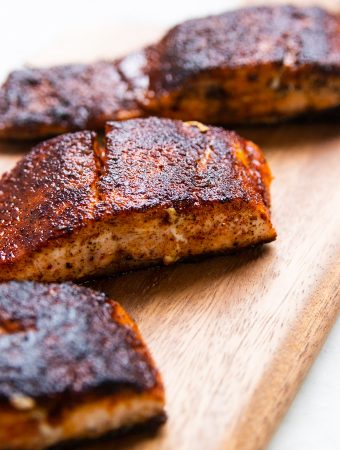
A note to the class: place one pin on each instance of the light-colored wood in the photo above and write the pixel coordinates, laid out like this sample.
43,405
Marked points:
235,335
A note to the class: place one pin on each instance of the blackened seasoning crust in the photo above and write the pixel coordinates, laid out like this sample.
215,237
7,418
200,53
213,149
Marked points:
257,64
160,191
48,194
72,365
247,37
42,102
167,163
67,339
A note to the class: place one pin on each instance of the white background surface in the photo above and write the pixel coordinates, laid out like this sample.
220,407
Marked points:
29,27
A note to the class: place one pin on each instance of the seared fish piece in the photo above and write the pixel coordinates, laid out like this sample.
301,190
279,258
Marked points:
257,64
44,102
72,365
160,191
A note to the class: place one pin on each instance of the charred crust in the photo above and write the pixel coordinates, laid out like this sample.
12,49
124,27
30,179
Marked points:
40,102
294,42
48,194
153,163
147,165
72,342
253,36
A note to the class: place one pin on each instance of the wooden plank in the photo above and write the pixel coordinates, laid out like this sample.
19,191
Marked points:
235,335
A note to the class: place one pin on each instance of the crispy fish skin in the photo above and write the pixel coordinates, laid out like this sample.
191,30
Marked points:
256,64
160,191
72,365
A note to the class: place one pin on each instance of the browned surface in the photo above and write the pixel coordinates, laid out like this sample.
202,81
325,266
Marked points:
259,64
62,347
164,163
79,343
234,336
246,327
42,102
248,37
67,186
47,195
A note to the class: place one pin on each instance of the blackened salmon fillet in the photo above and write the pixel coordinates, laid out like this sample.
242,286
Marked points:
159,191
73,365
253,65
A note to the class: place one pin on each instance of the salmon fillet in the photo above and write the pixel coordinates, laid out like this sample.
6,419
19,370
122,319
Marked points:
158,192
257,64
72,365
51,101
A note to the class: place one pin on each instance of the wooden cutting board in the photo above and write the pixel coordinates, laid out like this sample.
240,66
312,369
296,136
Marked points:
234,336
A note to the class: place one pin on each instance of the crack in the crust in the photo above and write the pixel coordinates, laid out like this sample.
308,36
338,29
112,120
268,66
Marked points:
99,149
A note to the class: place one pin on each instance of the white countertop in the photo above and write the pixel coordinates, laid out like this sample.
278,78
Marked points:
27,28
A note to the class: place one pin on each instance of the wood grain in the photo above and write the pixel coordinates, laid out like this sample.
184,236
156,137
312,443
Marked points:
235,335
